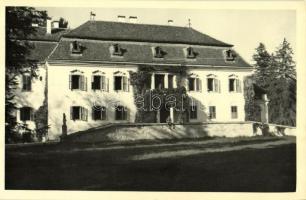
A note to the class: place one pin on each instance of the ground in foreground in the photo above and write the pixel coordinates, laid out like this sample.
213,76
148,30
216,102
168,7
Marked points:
237,165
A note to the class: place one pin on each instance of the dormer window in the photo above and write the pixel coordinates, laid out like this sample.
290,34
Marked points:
191,53
230,55
159,53
75,47
117,50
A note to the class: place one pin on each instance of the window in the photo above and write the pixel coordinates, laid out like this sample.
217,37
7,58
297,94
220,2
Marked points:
234,84
26,83
77,82
158,52
212,112
194,84
121,113
121,83
170,81
76,47
159,81
234,112
193,112
117,50
26,114
213,85
78,113
99,83
191,53
99,113
230,55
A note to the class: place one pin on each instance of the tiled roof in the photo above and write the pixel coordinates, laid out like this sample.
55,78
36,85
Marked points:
142,53
118,31
41,50
41,35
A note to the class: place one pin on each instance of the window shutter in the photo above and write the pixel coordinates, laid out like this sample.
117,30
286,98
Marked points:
219,86
92,82
93,113
238,86
174,81
187,86
31,114
200,85
86,114
128,85
215,85
124,83
29,83
81,83
102,83
71,113
70,82
114,83
127,113
107,86
85,83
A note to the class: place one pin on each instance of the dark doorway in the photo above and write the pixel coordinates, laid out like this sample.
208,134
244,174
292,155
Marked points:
159,81
164,114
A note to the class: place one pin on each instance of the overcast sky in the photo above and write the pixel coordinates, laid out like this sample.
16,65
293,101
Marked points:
242,28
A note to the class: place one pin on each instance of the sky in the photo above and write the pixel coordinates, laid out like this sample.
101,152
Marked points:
245,29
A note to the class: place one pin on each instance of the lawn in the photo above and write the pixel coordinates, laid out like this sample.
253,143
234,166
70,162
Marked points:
240,165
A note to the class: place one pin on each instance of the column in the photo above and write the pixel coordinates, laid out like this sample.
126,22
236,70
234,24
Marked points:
153,81
166,80
172,114
174,81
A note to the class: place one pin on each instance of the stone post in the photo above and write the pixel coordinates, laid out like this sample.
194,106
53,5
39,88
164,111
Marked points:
153,81
64,126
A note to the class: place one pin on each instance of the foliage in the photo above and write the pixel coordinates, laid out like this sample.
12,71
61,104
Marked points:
252,110
18,25
63,23
276,74
140,81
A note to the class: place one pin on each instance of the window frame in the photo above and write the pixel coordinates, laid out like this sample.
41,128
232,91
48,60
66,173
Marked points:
236,84
103,113
26,83
216,84
30,115
123,111
82,82
212,115
234,114
193,112
82,113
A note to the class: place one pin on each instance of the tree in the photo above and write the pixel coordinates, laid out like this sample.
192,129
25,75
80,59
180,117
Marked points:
282,86
18,26
262,66
63,23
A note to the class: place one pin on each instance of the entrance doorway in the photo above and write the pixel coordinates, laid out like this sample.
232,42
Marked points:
164,114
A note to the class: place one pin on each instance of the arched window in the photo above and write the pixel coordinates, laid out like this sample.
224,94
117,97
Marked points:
116,50
230,55
75,47
190,53
158,52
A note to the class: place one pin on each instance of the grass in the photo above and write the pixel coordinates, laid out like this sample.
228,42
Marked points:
82,167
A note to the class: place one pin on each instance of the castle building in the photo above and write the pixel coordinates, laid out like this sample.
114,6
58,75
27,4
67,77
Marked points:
84,72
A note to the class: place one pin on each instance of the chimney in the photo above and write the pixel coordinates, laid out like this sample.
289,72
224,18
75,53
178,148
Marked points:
170,22
133,19
48,26
121,18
